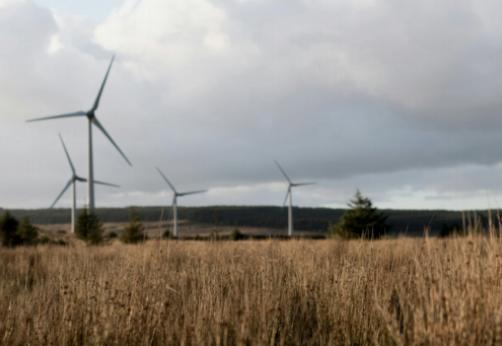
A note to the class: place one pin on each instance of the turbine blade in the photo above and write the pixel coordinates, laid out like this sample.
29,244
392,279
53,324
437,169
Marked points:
67,155
107,135
98,98
303,184
191,193
286,198
62,193
282,171
167,180
60,116
105,184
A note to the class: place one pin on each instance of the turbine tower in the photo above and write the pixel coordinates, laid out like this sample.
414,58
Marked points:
175,201
73,182
92,120
289,195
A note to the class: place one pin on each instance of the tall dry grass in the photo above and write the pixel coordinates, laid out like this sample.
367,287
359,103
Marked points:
389,292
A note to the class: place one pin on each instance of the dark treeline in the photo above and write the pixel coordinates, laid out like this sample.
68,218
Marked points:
411,222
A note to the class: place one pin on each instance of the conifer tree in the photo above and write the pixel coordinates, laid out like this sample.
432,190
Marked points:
27,233
89,228
134,232
8,230
361,220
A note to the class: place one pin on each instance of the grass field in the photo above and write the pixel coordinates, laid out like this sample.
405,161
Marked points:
388,292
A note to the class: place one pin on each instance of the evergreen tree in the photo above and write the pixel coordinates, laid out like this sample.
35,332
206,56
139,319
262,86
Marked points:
134,232
27,233
362,220
89,228
8,230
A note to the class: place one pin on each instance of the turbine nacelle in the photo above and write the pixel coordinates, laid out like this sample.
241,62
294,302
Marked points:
182,194
291,184
175,192
79,179
301,184
74,178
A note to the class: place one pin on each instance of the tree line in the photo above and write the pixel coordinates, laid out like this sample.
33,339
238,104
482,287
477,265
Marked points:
361,220
409,222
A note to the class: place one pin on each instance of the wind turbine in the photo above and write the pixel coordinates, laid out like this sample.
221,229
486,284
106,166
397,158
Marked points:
73,182
175,201
92,120
289,195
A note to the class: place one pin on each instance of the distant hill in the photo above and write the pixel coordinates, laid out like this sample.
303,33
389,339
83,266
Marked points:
410,222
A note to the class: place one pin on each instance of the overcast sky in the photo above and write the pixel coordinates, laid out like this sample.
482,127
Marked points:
399,98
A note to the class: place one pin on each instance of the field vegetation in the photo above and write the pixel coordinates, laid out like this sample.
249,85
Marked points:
428,291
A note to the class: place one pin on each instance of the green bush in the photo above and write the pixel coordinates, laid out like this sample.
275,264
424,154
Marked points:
236,235
167,234
60,242
134,232
13,233
8,230
27,233
89,228
44,240
362,220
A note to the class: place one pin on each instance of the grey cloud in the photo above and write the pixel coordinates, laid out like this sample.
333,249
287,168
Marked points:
340,92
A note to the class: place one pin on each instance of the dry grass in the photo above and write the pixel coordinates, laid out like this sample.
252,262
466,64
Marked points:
390,292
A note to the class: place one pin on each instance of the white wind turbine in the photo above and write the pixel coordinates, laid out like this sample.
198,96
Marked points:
73,182
289,195
92,120
175,201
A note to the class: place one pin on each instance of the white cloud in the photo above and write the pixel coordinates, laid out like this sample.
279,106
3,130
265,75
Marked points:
164,31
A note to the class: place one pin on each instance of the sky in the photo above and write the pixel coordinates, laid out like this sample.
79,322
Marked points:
397,98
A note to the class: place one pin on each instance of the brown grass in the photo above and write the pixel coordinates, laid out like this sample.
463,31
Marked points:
389,292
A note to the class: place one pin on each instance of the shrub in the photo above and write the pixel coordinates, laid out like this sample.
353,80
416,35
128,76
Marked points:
44,240
8,230
362,220
89,228
236,235
27,233
167,234
134,232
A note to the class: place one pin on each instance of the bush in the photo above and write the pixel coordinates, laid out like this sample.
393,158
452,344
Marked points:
61,242
89,228
8,230
236,235
44,240
362,220
134,232
27,233
167,234
13,233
